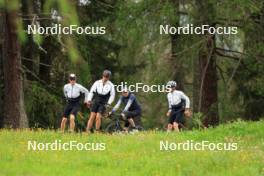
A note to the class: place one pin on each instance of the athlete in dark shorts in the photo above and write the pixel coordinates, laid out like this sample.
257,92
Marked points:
72,92
176,114
102,94
132,108
179,105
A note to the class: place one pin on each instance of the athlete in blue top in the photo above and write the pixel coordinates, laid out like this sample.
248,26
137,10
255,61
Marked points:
132,107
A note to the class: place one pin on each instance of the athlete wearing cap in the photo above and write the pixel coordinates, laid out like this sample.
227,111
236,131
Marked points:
179,104
72,92
131,110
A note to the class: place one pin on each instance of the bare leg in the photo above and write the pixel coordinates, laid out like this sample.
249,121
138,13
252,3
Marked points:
63,123
176,127
132,123
72,123
98,121
169,127
125,129
90,121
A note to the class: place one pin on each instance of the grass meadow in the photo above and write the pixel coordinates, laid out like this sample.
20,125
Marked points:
136,154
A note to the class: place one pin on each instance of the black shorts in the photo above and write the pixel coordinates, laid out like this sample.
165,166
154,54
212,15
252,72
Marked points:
98,107
71,108
132,114
176,116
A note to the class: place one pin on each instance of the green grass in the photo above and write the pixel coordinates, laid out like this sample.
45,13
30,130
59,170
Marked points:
137,154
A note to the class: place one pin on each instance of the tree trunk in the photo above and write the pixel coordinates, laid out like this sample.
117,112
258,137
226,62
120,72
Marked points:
208,84
1,67
178,72
49,46
196,85
30,49
205,73
14,112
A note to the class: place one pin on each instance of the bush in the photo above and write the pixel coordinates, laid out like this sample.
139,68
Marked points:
43,108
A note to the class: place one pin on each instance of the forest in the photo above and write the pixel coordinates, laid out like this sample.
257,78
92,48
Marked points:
223,74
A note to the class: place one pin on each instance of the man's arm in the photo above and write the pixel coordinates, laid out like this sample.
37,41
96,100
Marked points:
186,98
117,105
169,102
187,111
112,95
129,103
90,95
65,92
86,93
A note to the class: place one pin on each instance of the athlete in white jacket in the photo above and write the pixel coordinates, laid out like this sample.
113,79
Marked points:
179,104
72,92
102,94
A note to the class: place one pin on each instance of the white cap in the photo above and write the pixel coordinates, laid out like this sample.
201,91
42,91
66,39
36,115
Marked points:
72,75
